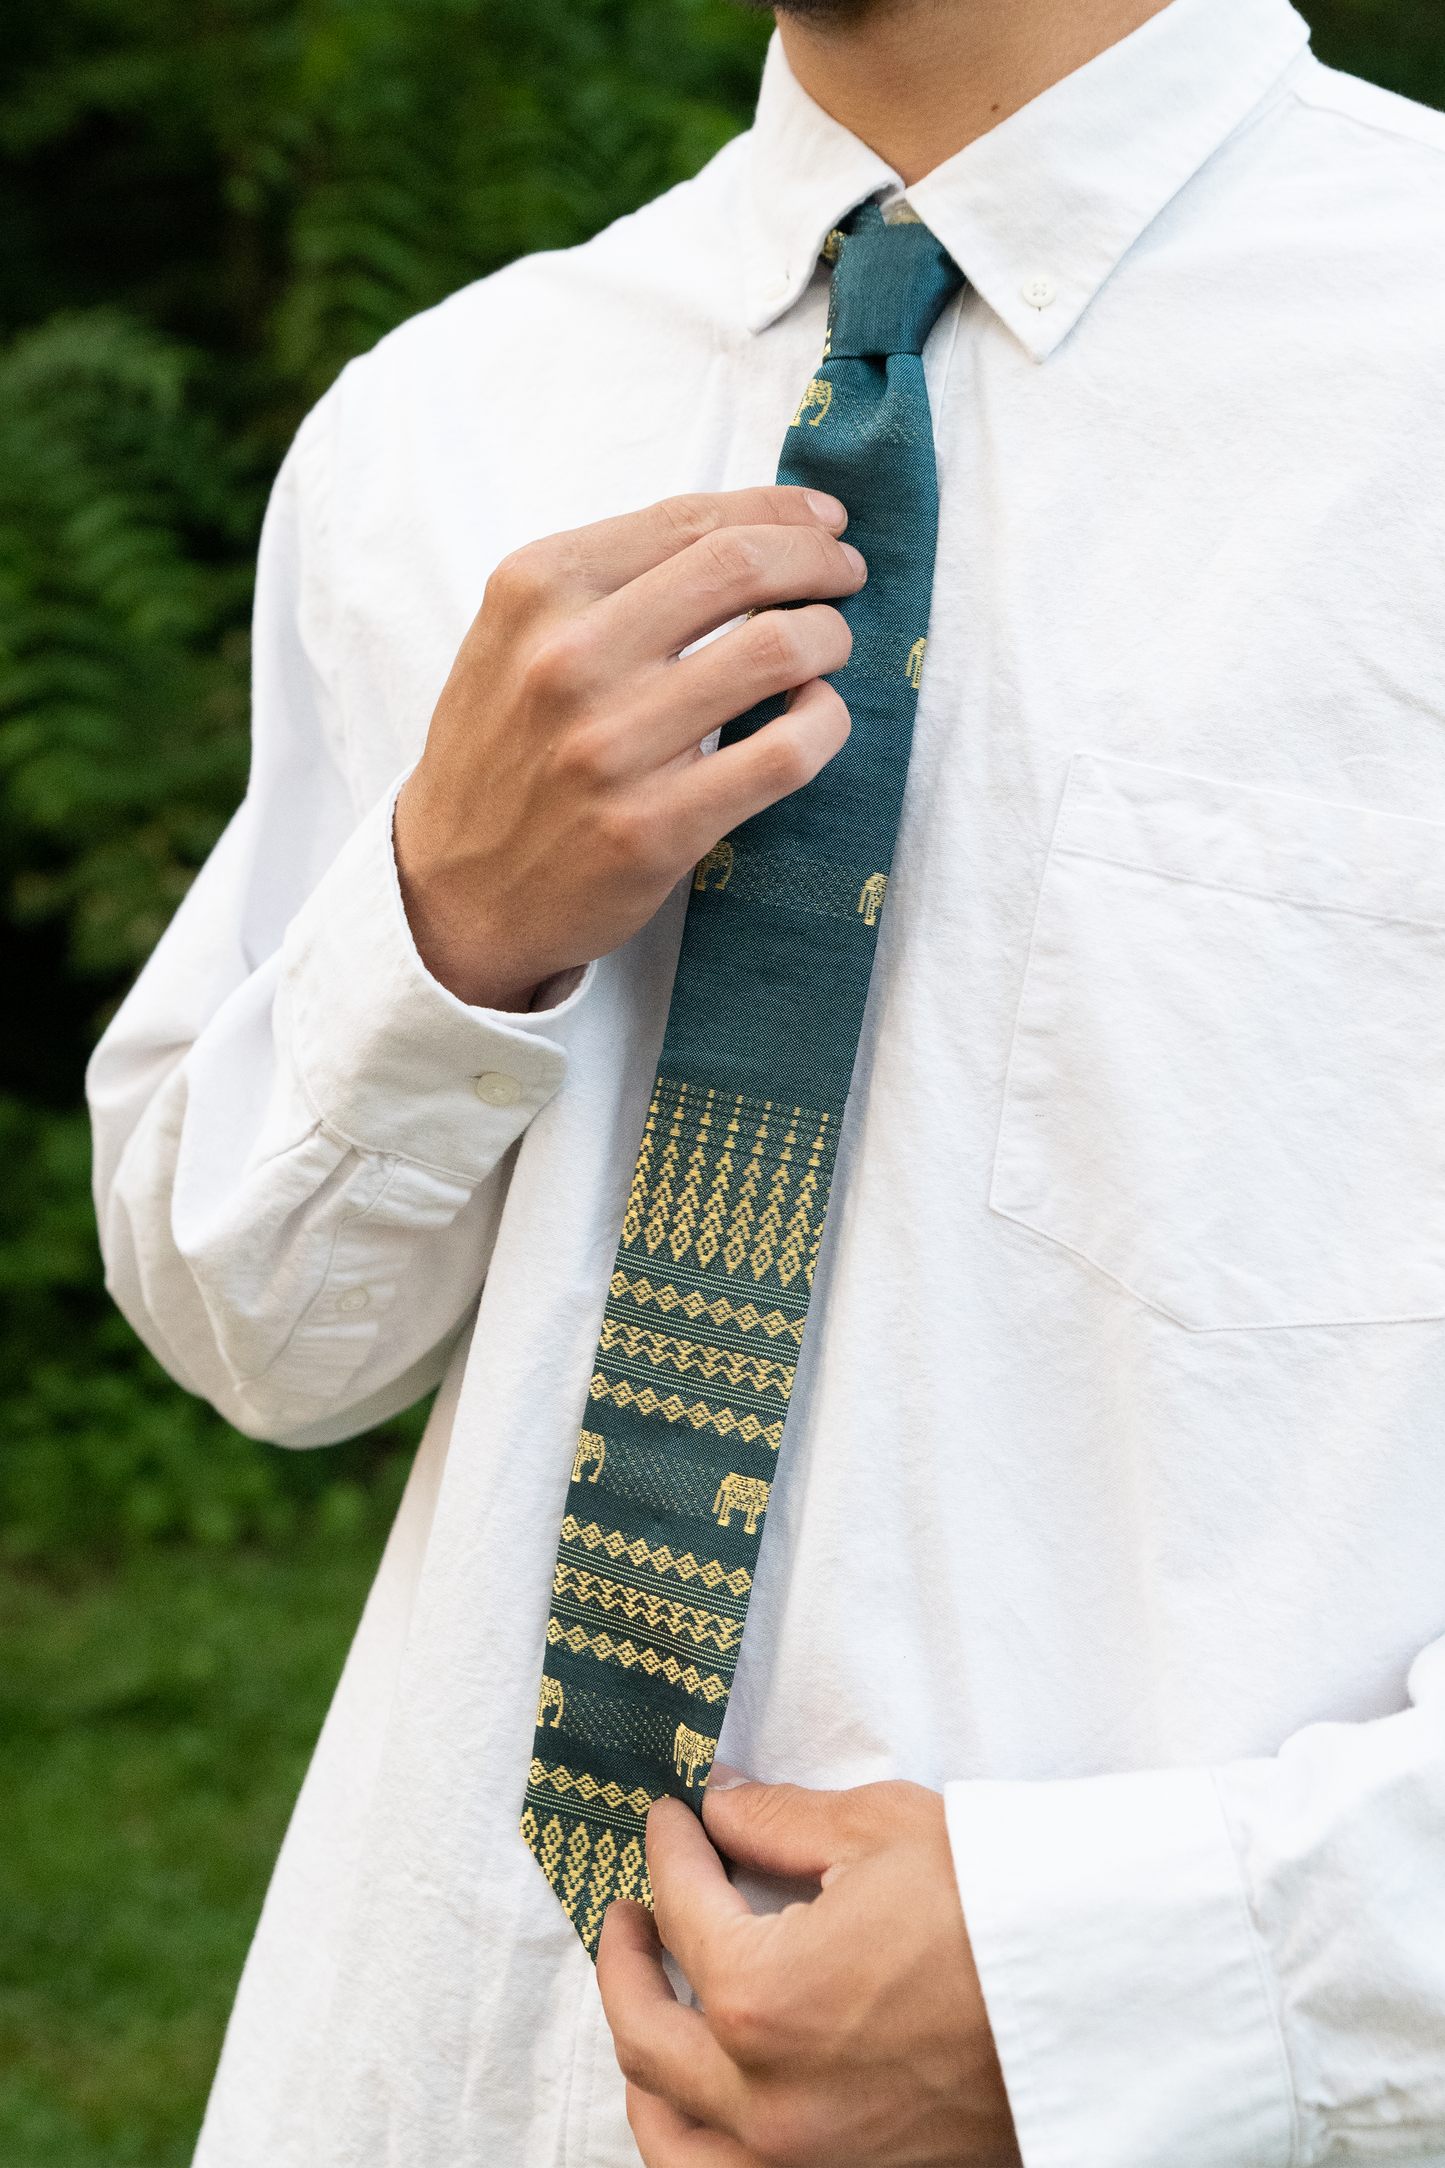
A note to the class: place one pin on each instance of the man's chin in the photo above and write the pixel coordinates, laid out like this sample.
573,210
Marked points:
815,11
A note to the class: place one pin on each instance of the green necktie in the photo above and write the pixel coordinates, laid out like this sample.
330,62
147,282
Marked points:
709,1295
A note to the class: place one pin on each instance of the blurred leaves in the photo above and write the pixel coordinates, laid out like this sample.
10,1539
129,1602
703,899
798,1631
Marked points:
301,177
126,523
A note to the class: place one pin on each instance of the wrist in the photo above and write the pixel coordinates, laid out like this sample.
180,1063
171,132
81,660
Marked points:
450,929
480,983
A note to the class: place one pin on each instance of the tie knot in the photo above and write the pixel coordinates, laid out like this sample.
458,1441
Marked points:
890,284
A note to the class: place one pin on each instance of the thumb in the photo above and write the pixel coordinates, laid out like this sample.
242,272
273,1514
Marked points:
779,1829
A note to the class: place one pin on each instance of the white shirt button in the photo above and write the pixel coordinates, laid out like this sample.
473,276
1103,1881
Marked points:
1038,291
497,1089
355,1298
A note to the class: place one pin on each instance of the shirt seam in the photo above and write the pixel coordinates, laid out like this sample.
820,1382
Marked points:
1260,895
1148,1302
1268,1980
299,1324
1376,124
1072,784
468,1177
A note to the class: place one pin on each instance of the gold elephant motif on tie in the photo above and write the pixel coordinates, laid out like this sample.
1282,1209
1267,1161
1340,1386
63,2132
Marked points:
913,668
719,860
691,1751
550,1697
870,898
819,394
591,1447
741,1494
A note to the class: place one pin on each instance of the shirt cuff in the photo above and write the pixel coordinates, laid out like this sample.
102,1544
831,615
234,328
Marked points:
388,1059
1132,2004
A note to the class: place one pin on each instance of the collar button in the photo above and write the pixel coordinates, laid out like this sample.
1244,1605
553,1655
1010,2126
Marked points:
1038,291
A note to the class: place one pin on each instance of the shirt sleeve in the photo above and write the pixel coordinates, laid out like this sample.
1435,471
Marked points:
1241,1967
302,1140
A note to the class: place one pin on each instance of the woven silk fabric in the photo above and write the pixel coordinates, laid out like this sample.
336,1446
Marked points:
708,1300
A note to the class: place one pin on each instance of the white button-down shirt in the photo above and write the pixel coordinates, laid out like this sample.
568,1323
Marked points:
1113,1494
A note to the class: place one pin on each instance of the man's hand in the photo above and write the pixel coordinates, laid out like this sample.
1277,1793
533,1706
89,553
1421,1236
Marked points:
846,2033
562,792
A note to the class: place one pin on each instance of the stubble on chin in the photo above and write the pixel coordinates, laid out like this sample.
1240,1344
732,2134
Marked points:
815,11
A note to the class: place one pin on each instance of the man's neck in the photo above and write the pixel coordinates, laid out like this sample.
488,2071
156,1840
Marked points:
918,79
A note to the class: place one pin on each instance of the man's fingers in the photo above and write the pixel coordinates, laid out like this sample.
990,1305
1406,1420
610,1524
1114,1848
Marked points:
696,1905
714,795
776,652
607,555
722,1776
662,2048
719,577
666,2139
782,1829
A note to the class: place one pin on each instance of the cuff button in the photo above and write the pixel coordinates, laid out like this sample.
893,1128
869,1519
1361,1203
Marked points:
497,1089
355,1298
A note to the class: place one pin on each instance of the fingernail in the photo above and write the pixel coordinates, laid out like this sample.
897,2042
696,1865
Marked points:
856,559
827,509
723,1779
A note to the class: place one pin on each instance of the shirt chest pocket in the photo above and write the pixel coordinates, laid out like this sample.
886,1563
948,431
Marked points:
1227,1084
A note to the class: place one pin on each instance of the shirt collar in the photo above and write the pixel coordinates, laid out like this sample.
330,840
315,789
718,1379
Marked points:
1052,198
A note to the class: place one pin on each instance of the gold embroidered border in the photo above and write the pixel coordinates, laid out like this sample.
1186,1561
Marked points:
674,1409
606,1650
664,1614
638,1343
611,1795
586,1875
662,1560
713,1177
694,1304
